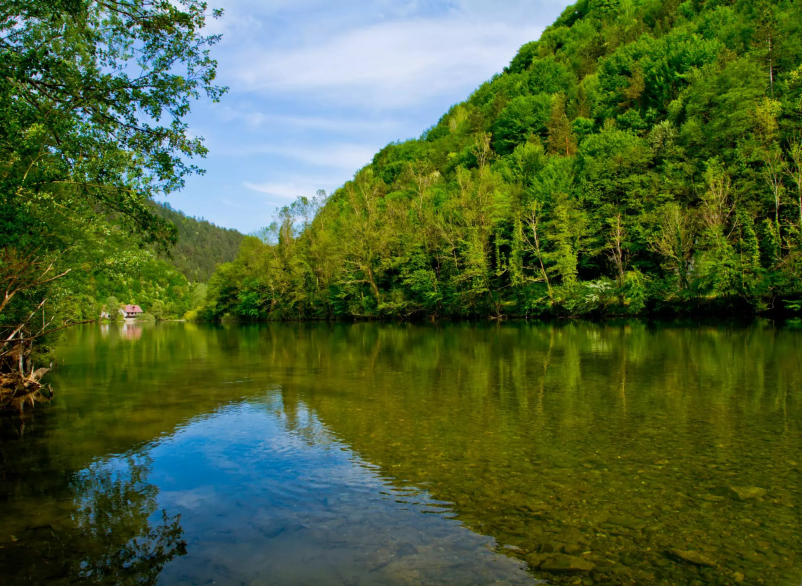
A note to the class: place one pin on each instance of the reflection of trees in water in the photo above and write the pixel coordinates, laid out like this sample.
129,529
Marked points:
298,419
113,517
626,435
110,537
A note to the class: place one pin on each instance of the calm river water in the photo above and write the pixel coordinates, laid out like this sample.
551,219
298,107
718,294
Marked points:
575,453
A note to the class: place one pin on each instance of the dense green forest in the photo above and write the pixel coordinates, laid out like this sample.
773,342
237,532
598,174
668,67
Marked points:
641,156
126,274
201,245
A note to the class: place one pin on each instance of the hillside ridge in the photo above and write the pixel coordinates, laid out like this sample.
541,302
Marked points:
641,156
201,244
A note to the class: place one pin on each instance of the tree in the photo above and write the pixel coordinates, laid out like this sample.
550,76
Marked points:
23,277
561,138
112,306
794,173
523,117
674,242
93,96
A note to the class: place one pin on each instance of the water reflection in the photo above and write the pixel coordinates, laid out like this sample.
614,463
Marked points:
126,330
268,496
109,532
658,455
610,454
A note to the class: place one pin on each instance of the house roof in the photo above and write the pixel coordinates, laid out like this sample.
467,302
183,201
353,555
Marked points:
132,309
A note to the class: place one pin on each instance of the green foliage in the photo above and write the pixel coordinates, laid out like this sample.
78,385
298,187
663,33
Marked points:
639,157
524,117
201,245
81,128
121,275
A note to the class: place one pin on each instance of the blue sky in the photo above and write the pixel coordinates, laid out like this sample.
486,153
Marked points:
317,87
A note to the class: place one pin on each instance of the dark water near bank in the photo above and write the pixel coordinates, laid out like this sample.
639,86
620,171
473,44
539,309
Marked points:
384,454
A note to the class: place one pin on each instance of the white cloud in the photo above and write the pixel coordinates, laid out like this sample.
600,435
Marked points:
342,157
512,11
256,118
290,190
349,157
388,65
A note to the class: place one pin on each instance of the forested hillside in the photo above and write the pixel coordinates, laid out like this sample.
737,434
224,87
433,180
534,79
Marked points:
201,245
642,155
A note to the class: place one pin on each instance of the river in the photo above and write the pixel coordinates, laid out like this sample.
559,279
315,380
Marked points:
521,453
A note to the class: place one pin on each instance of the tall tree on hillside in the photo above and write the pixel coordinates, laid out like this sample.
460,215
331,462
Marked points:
561,136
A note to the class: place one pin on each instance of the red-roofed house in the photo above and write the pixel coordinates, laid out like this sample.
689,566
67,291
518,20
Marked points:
132,310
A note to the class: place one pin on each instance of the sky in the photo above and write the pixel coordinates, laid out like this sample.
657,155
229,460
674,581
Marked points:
317,87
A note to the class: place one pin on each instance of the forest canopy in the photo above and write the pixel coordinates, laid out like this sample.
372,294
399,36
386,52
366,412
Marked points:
641,156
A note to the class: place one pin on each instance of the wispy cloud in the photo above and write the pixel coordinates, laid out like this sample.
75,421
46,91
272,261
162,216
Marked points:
342,157
389,65
290,190
256,118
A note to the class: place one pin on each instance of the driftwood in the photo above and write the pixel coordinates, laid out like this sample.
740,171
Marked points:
20,383
25,273
18,390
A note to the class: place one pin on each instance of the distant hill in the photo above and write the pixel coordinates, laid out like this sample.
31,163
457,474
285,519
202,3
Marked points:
201,245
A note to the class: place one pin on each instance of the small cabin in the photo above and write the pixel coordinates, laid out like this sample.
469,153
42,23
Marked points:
132,311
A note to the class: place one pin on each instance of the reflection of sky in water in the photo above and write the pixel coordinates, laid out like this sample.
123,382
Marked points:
264,505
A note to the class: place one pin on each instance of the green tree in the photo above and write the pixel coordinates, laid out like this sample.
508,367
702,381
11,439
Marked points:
524,117
93,97
561,138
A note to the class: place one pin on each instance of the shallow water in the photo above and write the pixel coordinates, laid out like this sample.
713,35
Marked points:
573,453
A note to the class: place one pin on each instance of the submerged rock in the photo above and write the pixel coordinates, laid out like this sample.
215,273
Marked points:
745,493
570,535
712,498
627,521
534,560
406,549
567,563
692,557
